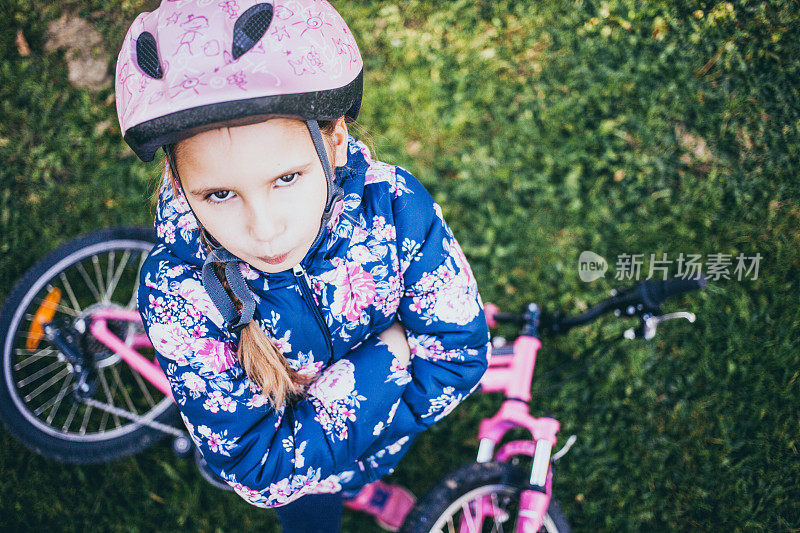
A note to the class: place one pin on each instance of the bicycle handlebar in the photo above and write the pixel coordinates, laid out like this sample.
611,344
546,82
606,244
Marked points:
653,293
644,297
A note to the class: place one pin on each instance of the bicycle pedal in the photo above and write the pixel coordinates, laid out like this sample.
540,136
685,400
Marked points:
182,446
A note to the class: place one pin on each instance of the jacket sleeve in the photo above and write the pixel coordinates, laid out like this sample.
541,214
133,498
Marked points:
269,456
440,307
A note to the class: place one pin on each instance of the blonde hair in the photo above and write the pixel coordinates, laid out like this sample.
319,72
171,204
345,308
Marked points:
260,358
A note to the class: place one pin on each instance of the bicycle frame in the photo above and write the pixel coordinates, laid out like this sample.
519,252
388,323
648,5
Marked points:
512,373
150,370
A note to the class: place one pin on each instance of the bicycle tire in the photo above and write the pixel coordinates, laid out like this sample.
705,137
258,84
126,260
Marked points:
18,412
471,481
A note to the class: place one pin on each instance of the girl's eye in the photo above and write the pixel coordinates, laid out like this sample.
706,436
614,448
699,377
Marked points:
288,179
217,197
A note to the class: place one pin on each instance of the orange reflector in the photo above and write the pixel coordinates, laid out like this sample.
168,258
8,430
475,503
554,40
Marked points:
43,315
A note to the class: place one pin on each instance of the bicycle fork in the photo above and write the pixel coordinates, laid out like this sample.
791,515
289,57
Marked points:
534,501
535,497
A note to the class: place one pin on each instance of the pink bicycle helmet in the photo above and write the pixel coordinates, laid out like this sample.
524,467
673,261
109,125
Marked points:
194,65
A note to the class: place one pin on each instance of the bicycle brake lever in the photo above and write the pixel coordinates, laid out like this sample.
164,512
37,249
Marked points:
564,449
650,323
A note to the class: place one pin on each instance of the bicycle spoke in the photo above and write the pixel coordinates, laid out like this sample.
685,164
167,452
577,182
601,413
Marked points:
109,272
495,507
61,393
104,420
71,294
25,335
135,292
66,310
124,390
41,388
89,283
85,420
70,416
59,307
100,282
35,357
39,373
112,285
451,527
104,383
144,388
55,401
471,523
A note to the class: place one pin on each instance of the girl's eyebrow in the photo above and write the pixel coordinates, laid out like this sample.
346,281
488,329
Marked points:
208,190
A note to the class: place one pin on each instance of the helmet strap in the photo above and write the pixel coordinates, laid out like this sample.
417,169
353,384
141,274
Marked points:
335,191
216,291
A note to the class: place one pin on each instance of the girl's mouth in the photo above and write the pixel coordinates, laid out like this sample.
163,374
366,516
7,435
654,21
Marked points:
274,260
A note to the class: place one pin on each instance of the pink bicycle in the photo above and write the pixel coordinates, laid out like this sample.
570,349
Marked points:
495,493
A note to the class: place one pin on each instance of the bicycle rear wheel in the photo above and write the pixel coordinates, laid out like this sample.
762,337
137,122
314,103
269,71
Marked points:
37,404
450,506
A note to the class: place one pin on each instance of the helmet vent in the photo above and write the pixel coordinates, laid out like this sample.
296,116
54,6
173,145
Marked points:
147,55
250,27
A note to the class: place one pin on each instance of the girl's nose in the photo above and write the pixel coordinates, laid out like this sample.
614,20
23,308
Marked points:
264,225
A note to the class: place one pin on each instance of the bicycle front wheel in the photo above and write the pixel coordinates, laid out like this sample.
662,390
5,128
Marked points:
453,504
37,401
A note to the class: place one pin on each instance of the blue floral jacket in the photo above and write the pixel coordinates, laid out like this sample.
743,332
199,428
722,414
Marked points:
388,254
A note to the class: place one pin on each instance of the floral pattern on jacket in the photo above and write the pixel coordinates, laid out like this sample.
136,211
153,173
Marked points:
387,255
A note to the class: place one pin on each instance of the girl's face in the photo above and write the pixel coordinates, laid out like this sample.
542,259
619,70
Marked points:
259,189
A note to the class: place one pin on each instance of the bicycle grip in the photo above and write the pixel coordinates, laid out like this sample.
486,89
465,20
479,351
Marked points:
495,317
654,293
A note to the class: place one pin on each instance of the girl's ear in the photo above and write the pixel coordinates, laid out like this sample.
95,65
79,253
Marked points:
339,138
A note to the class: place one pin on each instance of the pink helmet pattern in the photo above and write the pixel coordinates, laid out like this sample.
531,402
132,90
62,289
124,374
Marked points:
193,65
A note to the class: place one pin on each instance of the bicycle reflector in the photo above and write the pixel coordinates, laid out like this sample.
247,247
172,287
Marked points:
43,315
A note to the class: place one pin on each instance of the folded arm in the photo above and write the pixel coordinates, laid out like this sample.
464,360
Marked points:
270,456
440,309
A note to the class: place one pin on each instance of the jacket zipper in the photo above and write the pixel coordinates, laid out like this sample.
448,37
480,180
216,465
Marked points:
305,288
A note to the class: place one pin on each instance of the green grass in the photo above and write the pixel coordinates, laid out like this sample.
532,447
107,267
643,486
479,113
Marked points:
543,129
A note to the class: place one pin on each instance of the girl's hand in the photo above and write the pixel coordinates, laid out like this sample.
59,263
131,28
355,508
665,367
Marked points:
395,337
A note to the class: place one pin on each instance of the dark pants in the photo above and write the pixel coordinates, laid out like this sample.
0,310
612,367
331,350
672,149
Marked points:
312,513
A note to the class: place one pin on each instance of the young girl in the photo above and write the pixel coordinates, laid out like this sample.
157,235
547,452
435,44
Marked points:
309,304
